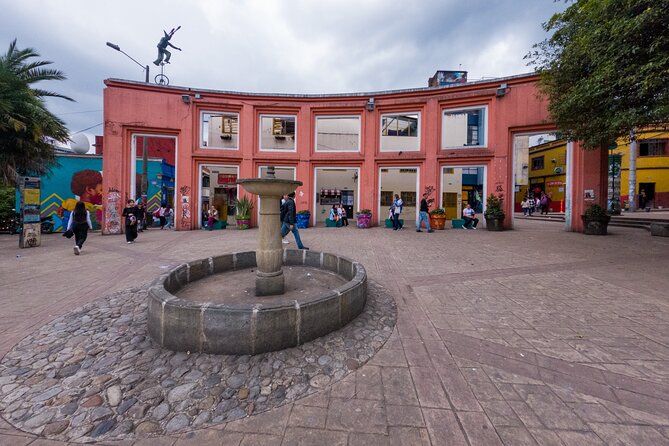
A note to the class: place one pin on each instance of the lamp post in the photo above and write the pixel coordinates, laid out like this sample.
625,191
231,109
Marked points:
144,67
145,143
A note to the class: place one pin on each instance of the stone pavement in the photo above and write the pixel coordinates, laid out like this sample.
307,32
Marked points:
532,336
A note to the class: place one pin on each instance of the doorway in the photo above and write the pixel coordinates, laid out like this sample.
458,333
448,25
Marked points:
462,185
154,183
333,186
218,188
402,181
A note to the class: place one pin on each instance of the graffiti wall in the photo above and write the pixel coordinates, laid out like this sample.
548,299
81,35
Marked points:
79,177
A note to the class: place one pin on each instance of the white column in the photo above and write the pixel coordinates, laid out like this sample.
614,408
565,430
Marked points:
568,187
631,195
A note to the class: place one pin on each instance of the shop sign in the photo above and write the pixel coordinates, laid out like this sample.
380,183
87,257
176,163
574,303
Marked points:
227,178
554,183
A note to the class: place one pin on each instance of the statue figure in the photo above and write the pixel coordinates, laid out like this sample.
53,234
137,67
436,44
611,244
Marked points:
162,47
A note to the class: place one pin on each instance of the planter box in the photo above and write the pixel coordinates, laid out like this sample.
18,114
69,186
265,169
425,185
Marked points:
458,223
364,220
302,220
595,226
243,222
331,223
438,221
389,223
494,223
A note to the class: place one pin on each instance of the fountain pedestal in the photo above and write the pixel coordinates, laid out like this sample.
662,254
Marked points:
269,275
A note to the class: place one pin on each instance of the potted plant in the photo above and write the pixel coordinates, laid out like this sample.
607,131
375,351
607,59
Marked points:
438,218
595,220
244,207
494,213
302,219
364,218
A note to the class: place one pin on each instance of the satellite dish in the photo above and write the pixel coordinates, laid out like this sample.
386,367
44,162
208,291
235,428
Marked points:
80,144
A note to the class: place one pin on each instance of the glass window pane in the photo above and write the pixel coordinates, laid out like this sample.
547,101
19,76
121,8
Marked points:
277,133
219,130
338,134
464,128
399,132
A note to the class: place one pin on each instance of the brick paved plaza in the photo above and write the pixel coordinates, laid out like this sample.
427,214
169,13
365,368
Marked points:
531,336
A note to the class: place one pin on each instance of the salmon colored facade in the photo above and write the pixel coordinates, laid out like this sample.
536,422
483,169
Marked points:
133,108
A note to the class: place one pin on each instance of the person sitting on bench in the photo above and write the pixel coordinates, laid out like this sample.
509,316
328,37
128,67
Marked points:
469,216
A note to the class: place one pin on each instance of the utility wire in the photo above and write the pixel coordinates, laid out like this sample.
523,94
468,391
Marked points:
88,128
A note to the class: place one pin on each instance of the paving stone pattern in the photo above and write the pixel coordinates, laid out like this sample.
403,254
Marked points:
524,337
95,374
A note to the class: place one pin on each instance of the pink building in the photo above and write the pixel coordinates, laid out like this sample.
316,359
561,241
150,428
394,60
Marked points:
356,149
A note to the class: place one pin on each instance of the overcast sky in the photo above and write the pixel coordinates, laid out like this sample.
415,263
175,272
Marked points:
282,46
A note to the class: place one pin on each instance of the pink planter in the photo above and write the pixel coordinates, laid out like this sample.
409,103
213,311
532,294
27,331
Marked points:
364,220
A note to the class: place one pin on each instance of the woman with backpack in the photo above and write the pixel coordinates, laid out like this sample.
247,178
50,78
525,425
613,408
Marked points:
130,213
79,223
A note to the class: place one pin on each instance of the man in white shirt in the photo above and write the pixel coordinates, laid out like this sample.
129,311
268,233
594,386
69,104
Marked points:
469,216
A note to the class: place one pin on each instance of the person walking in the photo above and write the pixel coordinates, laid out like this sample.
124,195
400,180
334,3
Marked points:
169,216
469,216
423,216
282,209
398,204
141,216
288,223
525,205
161,215
543,204
342,215
79,223
130,213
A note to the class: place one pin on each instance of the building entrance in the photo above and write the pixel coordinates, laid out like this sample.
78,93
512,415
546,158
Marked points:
402,181
218,189
460,186
335,186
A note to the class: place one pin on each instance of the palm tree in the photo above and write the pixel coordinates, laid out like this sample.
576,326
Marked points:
27,128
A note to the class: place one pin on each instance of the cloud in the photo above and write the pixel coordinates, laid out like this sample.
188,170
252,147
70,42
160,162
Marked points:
282,46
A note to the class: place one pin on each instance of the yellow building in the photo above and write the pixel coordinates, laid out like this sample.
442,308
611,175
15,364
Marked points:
652,168
547,167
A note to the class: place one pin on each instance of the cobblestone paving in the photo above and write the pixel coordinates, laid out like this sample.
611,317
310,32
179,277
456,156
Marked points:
95,374
525,337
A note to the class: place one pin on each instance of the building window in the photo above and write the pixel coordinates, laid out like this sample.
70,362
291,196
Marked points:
338,134
386,198
400,132
538,163
219,130
408,198
464,128
277,133
652,147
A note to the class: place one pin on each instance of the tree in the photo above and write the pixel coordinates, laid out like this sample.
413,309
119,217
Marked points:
605,69
27,128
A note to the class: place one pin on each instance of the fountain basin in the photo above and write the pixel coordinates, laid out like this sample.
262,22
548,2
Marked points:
255,326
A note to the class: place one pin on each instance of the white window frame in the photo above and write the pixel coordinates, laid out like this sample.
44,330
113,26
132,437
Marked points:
444,111
199,182
260,167
464,166
133,166
316,169
260,118
418,136
201,129
378,194
358,117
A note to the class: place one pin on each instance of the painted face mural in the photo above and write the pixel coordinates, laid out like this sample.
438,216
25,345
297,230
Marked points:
87,185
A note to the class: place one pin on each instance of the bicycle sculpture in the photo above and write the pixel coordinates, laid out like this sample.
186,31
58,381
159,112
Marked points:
164,56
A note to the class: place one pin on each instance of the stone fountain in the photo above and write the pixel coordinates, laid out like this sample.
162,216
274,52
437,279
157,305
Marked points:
269,255
322,293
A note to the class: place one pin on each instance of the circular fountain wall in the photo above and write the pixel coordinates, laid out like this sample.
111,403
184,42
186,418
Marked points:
251,326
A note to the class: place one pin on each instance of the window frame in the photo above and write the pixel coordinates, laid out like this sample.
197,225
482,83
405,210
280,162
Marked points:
418,132
317,118
260,128
664,142
218,113
537,158
483,143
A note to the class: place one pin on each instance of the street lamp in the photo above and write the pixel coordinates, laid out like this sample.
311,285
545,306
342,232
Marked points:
144,67
144,186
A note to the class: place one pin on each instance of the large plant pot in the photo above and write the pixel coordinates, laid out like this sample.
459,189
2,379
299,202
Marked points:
438,221
494,223
243,222
364,220
302,220
595,226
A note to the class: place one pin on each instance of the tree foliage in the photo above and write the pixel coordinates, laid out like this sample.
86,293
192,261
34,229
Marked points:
27,128
605,68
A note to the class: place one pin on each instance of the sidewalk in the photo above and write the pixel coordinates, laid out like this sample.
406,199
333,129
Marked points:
531,336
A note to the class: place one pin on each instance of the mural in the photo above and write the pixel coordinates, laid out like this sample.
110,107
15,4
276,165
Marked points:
113,211
86,185
184,191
